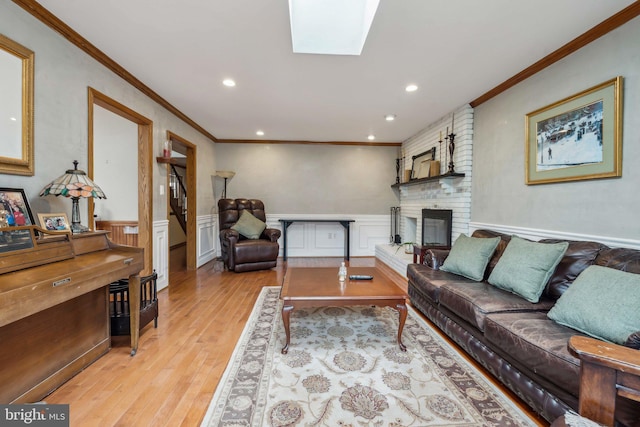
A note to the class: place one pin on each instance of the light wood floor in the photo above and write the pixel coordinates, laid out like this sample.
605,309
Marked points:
172,378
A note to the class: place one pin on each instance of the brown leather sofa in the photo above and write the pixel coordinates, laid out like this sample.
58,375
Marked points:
239,253
511,337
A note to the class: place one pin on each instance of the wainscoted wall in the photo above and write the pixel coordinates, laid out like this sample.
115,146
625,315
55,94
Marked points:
327,239
161,252
537,234
455,193
207,235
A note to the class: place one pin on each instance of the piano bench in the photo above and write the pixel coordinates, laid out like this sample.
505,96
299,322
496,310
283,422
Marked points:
119,304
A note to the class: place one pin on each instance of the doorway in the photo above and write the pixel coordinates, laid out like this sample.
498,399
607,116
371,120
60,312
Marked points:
143,128
181,182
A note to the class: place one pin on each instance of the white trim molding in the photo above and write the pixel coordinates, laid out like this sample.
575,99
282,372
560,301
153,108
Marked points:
207,238
537,234
161,252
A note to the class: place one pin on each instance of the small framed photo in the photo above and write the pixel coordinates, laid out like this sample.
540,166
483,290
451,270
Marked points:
54,221
14,208
576,138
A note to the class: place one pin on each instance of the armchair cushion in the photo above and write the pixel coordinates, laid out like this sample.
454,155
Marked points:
249,226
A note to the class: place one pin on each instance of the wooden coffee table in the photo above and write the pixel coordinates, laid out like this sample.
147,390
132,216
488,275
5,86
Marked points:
319,287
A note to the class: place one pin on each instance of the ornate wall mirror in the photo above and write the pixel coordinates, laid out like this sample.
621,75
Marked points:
16,108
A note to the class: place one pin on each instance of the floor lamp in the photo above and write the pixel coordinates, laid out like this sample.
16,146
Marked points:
226,175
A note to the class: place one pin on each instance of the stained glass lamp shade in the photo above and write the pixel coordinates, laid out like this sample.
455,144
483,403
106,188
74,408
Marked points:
75,184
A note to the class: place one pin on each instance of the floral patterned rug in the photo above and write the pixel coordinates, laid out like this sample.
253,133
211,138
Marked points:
344,368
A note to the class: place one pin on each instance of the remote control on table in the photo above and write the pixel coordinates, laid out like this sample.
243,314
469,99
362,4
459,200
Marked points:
360,277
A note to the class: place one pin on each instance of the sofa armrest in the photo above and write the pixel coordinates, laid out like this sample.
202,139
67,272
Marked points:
435,257
272,234
606,372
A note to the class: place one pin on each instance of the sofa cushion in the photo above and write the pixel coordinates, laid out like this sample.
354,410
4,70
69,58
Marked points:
602,302
429,281
534,341
249,226
474,301
579,255
504,241
525,267
469,256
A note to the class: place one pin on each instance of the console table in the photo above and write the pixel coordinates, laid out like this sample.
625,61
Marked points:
344,222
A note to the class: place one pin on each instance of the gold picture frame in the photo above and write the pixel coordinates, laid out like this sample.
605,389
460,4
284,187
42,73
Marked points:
577,138
54,221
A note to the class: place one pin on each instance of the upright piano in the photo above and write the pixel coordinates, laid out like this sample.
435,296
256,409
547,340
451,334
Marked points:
54,307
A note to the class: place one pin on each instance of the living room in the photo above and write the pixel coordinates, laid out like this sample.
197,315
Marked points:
333,180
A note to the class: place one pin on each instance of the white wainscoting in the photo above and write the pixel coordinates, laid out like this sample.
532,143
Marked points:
161,252
207,238
537,234
326,239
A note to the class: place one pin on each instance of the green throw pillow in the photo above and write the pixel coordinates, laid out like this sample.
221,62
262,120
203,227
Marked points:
469,256
602,302
249,226
525,267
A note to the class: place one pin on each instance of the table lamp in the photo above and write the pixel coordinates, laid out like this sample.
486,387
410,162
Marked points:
75,184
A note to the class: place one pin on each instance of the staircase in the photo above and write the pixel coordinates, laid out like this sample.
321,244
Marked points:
178,195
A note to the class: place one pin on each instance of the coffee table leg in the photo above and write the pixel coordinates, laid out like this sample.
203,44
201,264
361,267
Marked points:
286,312
402,311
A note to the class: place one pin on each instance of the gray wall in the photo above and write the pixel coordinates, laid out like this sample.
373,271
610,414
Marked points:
62,75
605,207
313,179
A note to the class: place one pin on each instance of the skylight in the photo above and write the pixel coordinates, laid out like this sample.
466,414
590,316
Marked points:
330,27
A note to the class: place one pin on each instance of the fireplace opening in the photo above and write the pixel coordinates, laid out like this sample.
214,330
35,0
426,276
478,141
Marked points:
436,227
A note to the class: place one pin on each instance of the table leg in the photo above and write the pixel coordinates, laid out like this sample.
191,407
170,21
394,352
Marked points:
286,313
402,311
134,311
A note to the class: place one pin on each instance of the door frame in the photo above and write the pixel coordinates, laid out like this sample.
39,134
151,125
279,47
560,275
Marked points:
145,163
190,152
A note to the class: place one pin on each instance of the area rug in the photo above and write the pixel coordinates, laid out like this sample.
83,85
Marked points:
344,368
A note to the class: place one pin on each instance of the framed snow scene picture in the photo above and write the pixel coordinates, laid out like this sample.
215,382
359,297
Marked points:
577,138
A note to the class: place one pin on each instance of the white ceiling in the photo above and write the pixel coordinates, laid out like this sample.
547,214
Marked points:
454,50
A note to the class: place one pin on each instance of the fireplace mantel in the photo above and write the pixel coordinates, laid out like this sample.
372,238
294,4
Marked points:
428,179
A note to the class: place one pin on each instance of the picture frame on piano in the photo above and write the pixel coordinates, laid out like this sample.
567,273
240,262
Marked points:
15,239
14,208
54,221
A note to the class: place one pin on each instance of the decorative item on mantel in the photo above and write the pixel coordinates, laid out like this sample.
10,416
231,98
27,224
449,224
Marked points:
452,146
75,184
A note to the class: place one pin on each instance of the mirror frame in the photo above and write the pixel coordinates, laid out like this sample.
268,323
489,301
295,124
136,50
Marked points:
25,164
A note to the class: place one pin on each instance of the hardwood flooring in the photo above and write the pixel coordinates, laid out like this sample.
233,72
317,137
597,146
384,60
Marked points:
172,378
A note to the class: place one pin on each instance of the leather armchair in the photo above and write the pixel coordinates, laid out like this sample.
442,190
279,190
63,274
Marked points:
239,253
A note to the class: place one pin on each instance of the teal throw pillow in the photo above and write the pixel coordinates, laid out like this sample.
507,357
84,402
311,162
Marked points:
525,267
602,302
249,226
469,256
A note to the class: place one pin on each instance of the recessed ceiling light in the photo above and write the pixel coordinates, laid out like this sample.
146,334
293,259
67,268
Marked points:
411,88
371,137
259,133
13,119
229,82
390,117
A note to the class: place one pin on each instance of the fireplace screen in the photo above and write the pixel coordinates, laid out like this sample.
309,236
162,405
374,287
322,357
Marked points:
436,227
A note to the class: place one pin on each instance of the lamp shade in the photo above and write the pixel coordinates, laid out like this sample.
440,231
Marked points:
225,174
74,183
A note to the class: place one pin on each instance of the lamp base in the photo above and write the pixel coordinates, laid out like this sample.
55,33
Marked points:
78,228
